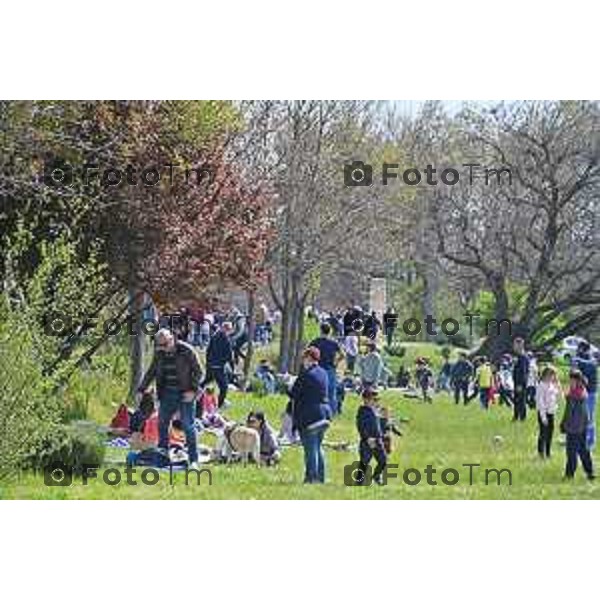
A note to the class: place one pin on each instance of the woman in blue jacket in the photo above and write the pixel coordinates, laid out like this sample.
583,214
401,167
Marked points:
311,413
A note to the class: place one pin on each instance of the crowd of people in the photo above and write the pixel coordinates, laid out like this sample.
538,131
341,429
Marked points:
187,402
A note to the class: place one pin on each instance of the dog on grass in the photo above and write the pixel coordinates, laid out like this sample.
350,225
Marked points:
238,440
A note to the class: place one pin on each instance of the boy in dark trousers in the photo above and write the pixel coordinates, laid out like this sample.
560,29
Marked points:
368,424
574,424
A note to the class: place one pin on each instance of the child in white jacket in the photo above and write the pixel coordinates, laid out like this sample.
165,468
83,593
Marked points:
547,396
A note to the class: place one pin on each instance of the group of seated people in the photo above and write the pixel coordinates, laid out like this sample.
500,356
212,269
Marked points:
140,427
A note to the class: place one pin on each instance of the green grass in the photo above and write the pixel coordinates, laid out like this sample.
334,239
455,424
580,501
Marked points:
442,434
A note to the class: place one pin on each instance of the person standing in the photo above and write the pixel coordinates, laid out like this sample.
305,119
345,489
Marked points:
311,413
547,395
371,367
219,357
485,379
351,351
329,353
368,423
574,425
462,371
520,380
177,372
390,322
588,366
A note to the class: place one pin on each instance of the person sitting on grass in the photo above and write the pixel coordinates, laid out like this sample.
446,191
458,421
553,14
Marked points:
144,423
574,425
371,438
266,375
403,377
269,447
547,395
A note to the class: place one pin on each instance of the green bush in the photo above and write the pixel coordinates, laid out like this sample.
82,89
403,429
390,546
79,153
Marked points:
73,445
396,350
28,405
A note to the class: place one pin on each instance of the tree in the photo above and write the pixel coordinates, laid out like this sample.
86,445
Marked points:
539,232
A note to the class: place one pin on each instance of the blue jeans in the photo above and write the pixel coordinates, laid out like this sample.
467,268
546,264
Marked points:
591,430
332,389
170,401
314,458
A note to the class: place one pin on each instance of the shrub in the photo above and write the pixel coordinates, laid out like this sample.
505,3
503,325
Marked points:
396,350
73,445
28,406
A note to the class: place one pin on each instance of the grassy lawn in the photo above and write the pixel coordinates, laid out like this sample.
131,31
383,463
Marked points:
442,434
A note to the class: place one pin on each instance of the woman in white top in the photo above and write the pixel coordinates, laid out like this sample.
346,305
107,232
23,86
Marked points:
547,396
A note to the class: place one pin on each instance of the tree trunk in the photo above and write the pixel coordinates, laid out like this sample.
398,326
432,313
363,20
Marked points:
251,328
136,342
299,338
285,337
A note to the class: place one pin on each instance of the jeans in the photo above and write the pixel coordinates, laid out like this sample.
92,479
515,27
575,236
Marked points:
217,373
591,430
519,404
170,401
461,386
366,453
576,447
314,458
332,389
545,435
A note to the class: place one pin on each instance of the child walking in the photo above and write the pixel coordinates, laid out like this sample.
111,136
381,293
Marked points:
371,438
484,378
574,424
546,400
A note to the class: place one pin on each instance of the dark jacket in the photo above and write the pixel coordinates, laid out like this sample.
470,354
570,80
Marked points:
461,370
589,368
219,352
309,398
521,371
575,418
189,373
368,423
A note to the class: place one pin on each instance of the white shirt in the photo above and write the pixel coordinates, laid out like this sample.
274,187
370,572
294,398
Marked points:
351,345
546,398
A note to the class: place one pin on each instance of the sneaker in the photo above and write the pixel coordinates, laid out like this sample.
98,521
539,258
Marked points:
591,477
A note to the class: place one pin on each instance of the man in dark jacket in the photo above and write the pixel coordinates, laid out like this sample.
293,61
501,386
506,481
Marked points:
460,375
177,372
520,379
219,357
311,413
368,423
588,366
